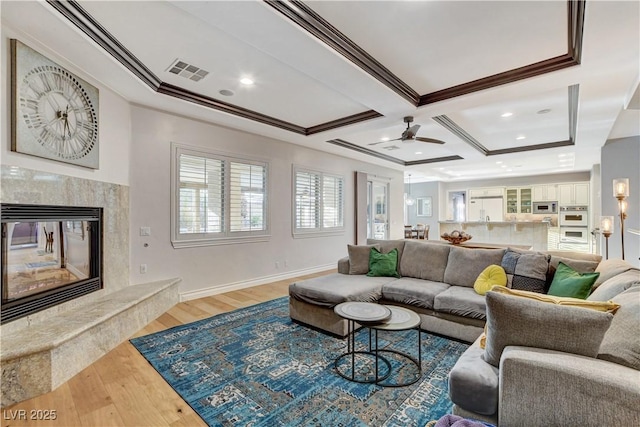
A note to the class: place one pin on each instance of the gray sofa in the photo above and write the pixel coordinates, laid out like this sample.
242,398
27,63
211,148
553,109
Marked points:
436,282
547,383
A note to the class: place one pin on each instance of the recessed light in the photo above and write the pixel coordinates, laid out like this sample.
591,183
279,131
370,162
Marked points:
246,81
503,166
499,162
521,137
507,114
418,152
226,92
509,170
544,111
386,138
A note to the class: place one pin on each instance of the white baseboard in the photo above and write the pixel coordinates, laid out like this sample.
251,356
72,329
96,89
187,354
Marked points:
220,289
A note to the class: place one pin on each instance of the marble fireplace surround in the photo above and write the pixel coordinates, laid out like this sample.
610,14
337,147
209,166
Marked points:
41,351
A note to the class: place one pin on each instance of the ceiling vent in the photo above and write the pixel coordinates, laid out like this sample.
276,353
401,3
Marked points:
187,71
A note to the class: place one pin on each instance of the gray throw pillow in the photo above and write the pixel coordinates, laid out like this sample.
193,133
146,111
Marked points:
359,258
520,321
526,270
616,285
610,268
464,265
621,343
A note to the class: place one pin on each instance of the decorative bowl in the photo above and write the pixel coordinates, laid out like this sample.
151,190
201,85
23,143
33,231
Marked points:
456,240
456,237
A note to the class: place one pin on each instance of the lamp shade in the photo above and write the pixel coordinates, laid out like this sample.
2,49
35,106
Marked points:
410,201
606,224
621,188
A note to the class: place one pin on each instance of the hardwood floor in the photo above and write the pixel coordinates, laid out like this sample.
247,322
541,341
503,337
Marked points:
121,388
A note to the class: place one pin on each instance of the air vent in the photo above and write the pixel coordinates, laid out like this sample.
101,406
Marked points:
187,71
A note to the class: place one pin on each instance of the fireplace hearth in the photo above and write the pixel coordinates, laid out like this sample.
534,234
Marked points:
50,255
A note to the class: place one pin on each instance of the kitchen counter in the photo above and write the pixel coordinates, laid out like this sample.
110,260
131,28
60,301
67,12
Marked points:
531,234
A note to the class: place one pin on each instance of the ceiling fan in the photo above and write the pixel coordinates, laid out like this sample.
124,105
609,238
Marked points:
409,134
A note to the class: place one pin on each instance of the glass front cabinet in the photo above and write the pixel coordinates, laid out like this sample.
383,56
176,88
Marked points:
518,200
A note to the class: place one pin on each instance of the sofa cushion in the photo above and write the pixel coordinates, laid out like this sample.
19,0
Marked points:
416,292
461,301
621,343
423,260
464,265
473,383
569,283
383,265
490,276
526,270
359,258
513,320
387,246
616,285
610,268
335,288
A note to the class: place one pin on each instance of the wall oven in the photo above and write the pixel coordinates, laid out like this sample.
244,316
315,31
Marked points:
575,235
574,216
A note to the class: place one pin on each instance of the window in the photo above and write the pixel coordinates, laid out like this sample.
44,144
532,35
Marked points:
217,198
318,202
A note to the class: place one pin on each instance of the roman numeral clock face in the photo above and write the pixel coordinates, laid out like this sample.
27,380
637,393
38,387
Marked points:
56,112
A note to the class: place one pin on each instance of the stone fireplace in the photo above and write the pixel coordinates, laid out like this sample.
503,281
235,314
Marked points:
50,255
45,347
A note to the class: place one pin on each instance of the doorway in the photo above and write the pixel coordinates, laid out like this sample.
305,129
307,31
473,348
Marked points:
377,210
456,206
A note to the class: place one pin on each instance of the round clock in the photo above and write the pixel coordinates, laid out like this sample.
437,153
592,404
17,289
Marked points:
58,111
54,112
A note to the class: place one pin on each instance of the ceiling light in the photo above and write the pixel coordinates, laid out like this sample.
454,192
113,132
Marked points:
521,137
509,170
386,138
507,114
246,81
503,166
418,152
499,162
544,111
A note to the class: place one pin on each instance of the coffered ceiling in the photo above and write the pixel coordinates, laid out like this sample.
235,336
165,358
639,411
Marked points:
510,87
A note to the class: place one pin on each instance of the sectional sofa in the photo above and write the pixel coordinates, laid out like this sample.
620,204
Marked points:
436,282
546,373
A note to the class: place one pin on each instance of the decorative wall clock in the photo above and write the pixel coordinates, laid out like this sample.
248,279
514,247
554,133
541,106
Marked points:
54,112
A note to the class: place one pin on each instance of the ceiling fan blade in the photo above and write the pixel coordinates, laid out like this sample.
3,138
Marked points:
382,142
411,132
431,140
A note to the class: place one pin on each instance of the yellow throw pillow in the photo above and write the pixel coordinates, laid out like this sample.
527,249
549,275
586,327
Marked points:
490,276
606,306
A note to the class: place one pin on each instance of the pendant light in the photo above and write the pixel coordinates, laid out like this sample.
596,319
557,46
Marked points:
410,201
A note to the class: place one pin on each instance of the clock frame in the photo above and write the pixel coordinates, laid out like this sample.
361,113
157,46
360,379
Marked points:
54,113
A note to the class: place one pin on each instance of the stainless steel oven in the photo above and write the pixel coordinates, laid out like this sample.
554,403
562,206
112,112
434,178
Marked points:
574,216
575,235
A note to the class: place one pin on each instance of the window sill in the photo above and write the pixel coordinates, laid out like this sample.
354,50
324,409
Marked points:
181,244
311,234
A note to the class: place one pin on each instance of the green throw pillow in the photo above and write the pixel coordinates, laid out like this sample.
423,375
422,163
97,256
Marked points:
569,283
385,265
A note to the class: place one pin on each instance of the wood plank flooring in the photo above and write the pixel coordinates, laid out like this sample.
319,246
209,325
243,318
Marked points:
121,388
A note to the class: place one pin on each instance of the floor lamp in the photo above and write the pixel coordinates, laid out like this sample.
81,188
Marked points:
621,192
606,226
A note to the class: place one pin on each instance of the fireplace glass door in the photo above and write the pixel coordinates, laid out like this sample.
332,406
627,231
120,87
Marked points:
50,255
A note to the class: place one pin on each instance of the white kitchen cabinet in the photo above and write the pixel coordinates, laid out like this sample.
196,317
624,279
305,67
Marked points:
576,194
545,193
486,192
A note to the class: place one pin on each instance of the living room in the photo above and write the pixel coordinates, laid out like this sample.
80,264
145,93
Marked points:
138,126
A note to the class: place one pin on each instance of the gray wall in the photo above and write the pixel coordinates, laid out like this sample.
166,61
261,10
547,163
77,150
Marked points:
620,159
424,189
210,269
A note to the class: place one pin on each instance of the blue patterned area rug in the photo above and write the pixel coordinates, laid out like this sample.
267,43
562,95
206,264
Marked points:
256,367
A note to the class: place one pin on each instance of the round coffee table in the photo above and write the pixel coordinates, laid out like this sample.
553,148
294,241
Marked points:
365,313
401,319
